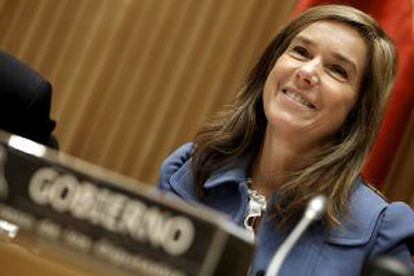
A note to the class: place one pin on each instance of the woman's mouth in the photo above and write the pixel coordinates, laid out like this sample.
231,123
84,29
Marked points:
297,98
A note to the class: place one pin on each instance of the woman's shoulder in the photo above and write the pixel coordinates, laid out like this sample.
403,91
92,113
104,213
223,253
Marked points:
367,202
374,222
394,228
175,173
364,208
181,155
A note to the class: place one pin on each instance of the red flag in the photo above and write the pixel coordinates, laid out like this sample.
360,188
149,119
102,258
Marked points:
396,18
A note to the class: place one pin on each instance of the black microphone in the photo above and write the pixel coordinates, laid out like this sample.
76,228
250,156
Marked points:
313,212
386,266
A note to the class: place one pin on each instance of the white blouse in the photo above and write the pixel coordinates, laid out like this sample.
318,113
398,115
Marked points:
257,207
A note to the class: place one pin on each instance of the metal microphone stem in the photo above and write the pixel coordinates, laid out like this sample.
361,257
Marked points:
313,212
286,247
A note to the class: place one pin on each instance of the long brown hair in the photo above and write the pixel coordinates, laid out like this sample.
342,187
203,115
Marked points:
333,170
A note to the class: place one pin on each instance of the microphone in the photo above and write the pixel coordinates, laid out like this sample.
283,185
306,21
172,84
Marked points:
387,266
313,212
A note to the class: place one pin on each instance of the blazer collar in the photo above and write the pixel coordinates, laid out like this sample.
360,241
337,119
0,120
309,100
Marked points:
182,180
235,172
355,229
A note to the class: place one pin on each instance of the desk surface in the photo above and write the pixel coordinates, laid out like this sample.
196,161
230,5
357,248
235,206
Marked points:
16,260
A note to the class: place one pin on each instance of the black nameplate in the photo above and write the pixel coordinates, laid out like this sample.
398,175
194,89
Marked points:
113,219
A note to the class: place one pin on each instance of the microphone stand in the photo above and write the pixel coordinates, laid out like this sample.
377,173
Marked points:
313,212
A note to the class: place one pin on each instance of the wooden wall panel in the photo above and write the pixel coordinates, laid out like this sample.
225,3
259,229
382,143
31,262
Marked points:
400,182
135,79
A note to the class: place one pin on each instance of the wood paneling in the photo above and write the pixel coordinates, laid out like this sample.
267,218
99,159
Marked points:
400,182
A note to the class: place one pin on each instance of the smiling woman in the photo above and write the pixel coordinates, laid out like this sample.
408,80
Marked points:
302,125
310,91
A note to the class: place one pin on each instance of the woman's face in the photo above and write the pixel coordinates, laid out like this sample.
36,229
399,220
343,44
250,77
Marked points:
315,82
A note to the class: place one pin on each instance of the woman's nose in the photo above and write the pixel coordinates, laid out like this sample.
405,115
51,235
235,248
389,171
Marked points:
308,74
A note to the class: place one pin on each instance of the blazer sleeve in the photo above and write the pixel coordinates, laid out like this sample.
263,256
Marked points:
395,236
172,164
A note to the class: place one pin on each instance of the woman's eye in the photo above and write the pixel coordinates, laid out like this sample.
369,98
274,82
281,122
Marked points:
339,71
300,51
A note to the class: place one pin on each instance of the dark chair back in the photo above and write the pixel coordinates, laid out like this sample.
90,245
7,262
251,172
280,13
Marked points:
25,100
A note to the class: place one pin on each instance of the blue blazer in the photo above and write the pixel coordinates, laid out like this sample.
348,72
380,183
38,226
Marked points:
373,227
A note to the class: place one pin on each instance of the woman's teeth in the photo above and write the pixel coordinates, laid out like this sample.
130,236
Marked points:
297,98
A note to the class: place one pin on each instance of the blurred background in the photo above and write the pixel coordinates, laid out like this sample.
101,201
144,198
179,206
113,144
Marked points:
134,79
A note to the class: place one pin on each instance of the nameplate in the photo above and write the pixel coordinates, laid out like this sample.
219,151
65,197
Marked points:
100,214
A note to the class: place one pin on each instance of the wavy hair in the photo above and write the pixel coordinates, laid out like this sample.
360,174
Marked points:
333,170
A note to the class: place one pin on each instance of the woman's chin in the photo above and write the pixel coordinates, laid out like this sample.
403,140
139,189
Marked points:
288,123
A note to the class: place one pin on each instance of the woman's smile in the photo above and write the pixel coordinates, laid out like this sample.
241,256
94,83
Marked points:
297,97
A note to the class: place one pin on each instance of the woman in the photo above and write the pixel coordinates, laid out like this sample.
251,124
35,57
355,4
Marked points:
302,125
